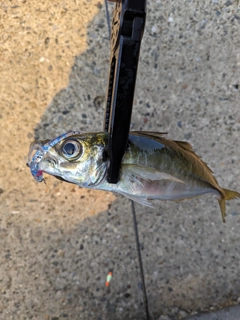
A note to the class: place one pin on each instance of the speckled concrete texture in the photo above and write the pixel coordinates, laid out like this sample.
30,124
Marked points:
58,241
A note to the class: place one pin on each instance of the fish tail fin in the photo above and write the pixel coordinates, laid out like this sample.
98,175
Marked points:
222,205
227,195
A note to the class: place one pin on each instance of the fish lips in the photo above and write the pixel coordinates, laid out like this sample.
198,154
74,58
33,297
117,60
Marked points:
47,165
42,163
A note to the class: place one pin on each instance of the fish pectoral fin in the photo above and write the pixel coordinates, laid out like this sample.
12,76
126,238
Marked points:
148,173
139,199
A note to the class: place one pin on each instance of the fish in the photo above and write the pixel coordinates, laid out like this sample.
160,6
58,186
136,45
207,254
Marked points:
153,167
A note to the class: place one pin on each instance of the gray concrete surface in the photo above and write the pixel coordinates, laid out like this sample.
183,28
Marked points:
55,264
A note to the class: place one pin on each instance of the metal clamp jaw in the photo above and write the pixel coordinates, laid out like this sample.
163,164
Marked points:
127,31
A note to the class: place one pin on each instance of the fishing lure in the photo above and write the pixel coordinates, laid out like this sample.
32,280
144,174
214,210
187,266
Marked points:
109,278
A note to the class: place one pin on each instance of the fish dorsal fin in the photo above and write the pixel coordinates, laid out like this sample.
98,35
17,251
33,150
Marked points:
178,148
150,134
187,147
184,145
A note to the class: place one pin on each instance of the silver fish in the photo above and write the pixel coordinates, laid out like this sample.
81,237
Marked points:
153,167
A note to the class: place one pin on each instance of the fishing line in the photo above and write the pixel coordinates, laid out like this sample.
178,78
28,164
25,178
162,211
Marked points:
145,299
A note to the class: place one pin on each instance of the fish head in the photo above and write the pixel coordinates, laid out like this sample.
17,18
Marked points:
73,157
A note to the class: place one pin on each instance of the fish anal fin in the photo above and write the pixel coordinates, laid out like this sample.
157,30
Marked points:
139,199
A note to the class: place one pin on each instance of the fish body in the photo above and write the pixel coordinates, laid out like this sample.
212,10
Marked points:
153,167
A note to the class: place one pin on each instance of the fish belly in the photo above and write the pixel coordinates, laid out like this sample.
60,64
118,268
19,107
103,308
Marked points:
166,190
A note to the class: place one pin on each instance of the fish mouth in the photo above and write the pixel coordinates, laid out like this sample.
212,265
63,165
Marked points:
38,162
36,173
37,156
46,165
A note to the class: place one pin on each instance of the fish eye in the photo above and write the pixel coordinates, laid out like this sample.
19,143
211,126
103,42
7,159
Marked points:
71,149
